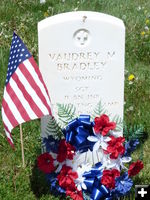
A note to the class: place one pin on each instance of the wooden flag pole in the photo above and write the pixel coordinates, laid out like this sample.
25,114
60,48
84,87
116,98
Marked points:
22,148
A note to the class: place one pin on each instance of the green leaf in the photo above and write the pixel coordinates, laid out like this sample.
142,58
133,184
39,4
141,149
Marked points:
54,129
66,112
119,122
134,132
99,110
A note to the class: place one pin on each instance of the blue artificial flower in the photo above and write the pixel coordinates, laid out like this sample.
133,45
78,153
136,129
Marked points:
77,131
54,186
130,146
123,185
51,144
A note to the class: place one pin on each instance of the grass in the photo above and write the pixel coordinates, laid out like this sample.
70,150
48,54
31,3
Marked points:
23,16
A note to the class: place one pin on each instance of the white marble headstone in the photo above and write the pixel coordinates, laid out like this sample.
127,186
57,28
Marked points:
81,57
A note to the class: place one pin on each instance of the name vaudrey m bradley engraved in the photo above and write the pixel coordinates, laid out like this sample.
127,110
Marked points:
81,60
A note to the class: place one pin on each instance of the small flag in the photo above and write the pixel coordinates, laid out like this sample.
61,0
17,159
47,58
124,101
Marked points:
25,94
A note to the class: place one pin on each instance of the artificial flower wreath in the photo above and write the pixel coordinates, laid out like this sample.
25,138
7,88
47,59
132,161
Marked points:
69,171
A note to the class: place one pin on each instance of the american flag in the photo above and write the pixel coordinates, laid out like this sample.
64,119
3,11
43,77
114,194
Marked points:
25,94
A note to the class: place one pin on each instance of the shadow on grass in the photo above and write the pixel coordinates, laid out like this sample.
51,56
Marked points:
38,182
40,186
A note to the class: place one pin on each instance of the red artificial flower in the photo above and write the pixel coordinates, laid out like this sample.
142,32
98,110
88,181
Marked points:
115,147
75,195
66,178
135,168
65,151
108,178
102,125
45,163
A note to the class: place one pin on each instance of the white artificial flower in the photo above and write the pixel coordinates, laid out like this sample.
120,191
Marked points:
107,162
85,167
79,165
118,163
78,159
100,141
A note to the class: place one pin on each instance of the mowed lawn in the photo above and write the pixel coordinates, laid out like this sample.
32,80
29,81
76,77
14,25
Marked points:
23,16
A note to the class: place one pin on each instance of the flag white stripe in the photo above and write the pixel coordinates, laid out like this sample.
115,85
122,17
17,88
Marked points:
13,107
32,92
23,101
6,121
37,80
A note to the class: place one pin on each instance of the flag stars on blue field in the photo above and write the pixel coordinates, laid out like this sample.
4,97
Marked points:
18,54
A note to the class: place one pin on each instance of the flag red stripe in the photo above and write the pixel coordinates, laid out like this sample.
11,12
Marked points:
27,96
33,84
10,142
17,102
36,68
9,114
7,129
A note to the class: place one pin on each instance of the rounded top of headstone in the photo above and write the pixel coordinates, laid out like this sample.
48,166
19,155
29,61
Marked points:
81,16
